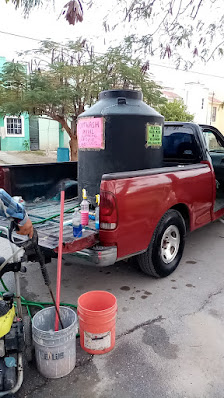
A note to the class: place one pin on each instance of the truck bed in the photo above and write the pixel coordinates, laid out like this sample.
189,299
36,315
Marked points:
33,181
39,185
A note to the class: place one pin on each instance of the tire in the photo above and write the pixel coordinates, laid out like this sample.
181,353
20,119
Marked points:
28,346
166,247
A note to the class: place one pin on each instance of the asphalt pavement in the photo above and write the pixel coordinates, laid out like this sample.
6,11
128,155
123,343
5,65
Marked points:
170,332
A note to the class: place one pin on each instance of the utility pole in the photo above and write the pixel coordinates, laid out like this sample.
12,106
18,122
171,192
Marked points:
212,107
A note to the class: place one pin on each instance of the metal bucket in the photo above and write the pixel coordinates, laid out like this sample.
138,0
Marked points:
55,351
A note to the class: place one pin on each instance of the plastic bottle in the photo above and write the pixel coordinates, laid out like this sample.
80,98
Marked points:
97,212
76,223
84,209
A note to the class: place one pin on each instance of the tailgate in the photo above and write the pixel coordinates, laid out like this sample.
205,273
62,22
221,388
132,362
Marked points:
46,218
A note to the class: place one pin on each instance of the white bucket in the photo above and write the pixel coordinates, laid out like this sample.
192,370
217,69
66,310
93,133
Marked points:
55,351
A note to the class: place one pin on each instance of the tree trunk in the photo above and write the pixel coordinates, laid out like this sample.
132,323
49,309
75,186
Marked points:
73,140
72,132
73,147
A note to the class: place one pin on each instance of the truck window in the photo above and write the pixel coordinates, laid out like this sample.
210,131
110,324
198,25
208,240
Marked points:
212,142
179,144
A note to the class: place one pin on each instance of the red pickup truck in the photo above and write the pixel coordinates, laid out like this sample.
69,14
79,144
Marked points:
144,213
147,213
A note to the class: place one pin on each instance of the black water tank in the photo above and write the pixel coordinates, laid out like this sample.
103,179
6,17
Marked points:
119,133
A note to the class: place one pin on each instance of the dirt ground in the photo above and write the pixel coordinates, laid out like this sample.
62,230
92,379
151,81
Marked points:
13,157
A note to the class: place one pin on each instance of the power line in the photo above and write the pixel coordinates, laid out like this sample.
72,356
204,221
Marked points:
21,36
183,70
151,63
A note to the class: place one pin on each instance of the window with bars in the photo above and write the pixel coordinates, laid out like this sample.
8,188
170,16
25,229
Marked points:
14,126
214,112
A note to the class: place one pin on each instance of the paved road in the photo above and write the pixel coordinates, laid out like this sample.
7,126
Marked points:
170,332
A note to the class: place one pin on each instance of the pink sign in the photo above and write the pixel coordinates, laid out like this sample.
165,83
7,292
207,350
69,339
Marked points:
90,132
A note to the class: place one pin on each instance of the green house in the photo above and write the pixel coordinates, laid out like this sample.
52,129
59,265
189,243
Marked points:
27,132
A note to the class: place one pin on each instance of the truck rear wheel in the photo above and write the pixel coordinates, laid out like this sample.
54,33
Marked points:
166,247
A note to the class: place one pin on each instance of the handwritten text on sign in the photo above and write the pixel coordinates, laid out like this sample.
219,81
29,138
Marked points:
153,135
90,132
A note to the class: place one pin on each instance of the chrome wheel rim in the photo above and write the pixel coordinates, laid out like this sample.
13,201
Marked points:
170,244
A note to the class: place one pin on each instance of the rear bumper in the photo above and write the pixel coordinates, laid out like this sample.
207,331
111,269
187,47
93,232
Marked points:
100,256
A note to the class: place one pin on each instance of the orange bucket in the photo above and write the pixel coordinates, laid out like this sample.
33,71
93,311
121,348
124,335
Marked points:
97,312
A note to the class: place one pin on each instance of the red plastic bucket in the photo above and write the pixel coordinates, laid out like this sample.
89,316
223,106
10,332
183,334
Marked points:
97,312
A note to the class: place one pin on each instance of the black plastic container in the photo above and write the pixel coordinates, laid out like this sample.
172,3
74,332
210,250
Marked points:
119,133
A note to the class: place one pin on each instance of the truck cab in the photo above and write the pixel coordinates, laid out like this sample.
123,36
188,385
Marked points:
215,145
188,143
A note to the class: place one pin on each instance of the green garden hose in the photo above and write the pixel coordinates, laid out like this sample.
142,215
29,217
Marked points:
4,286
28,303
54,216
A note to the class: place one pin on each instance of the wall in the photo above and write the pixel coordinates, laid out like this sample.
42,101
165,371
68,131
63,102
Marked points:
63,138
2,61
15,143
219,122
66,137
194,95
66,140
1,125
196,100
49,135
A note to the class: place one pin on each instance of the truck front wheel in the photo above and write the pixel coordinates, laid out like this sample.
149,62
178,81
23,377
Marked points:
166,247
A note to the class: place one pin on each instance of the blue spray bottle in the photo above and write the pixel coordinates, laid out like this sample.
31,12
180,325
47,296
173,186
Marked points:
76,223
97,212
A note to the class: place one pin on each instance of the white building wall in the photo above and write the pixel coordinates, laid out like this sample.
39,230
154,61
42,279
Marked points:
66,140
196,99
48,134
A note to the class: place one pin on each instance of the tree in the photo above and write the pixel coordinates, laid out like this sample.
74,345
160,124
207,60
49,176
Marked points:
175,111
72,11
13,83
69,79
184,30
26,5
